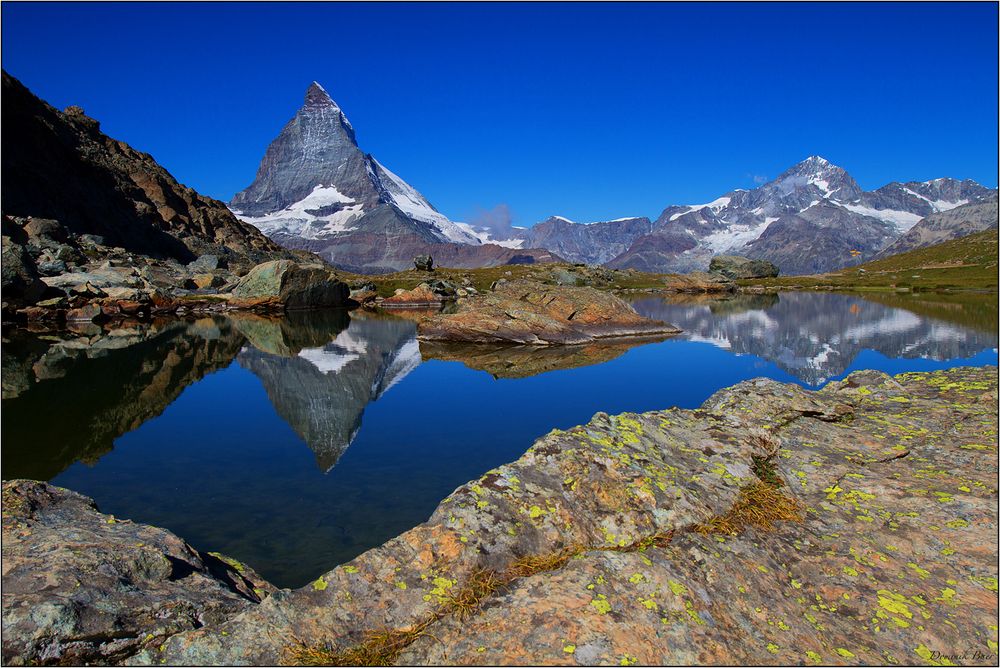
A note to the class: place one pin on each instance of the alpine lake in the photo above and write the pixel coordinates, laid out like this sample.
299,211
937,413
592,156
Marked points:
295,444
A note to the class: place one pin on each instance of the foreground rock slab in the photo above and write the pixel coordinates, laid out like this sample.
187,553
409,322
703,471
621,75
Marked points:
527,312
608,544
83,587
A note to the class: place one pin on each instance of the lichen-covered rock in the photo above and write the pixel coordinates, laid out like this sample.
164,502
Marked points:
287,285
423,263
893,559
737,266
527,312
83,587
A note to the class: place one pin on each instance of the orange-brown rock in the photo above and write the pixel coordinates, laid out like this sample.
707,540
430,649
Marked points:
419,297
527,312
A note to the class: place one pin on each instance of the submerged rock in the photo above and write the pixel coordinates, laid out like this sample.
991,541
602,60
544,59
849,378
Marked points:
526,312
83,587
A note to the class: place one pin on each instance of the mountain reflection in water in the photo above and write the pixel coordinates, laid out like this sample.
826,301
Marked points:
817,336
297,443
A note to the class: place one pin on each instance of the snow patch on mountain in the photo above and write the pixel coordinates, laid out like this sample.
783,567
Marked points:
903,220
308,217
735,236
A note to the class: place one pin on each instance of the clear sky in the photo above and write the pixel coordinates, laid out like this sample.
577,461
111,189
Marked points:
591,111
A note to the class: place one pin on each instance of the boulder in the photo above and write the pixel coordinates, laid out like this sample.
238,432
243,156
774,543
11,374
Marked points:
442,288
527,312
45,233
203,281
86,313
287,285
737,267
205,263
21,283
424,263
51,267
81,587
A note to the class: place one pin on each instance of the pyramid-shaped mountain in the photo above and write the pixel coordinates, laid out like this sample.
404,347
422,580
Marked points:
316,189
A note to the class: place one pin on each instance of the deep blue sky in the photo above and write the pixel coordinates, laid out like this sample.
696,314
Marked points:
591,111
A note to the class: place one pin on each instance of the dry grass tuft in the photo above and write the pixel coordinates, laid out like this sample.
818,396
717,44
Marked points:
758,505
531,564
481,584
379,648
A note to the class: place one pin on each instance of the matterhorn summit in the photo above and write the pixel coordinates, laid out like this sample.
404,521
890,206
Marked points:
316,189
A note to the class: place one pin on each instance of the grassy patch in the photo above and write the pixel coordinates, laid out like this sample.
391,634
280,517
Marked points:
968,263
765,469
379,648
481,279
759,505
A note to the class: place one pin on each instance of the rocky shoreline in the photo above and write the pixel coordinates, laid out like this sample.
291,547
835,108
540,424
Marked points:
851,525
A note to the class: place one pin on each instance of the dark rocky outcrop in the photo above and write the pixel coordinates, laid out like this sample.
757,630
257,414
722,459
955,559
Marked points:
81,587
525,312
423,263
737,267
60,166
631,539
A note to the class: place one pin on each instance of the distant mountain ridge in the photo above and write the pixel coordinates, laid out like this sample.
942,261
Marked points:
316,189
814,217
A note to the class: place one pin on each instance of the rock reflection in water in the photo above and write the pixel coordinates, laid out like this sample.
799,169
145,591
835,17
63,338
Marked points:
320,371
816,336
68,395
523,361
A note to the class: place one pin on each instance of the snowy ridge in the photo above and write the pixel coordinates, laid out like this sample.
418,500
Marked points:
413,204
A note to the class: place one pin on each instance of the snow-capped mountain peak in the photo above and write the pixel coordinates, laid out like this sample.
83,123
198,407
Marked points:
316,183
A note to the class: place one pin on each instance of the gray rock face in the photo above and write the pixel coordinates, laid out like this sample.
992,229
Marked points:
81,587
947,225
316,147
735,267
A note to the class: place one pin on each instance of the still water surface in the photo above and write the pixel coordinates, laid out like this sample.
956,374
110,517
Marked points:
297,444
